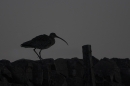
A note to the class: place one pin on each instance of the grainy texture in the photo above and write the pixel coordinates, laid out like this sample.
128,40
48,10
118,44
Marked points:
63,72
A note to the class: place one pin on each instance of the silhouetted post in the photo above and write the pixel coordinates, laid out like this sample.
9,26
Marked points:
89,73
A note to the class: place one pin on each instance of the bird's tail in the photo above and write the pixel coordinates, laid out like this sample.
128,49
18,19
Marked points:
26,44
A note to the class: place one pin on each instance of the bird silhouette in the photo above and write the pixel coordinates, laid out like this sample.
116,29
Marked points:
41,42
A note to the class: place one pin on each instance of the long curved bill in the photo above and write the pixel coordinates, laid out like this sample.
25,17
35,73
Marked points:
62,40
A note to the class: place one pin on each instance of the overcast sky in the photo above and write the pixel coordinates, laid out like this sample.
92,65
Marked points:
104,24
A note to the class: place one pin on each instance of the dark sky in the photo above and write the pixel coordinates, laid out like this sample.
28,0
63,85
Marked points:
104,24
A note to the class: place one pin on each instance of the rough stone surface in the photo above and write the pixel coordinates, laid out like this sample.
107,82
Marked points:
18,75
1,68
4,82
75,72
56,79
75,81
124,65
7,74
37,74
95,60
29,71
63,72
75,68
61,66
5,62
106,71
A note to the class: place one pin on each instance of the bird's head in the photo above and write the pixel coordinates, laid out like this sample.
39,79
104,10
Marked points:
53,35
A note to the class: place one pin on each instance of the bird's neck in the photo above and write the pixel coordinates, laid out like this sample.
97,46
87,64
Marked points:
52,37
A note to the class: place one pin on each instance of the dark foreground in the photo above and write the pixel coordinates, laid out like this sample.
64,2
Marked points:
88,71
64,72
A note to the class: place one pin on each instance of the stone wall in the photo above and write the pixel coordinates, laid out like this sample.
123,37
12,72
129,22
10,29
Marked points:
63,72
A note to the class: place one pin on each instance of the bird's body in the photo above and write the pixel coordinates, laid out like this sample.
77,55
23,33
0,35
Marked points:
41,42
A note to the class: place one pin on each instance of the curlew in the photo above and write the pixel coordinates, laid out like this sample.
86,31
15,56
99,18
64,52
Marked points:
41,42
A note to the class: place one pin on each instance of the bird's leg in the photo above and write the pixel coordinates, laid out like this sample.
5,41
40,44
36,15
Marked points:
40,54
37,54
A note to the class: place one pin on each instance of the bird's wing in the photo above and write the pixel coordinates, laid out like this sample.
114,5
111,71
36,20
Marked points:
41,41
41,37
37,42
